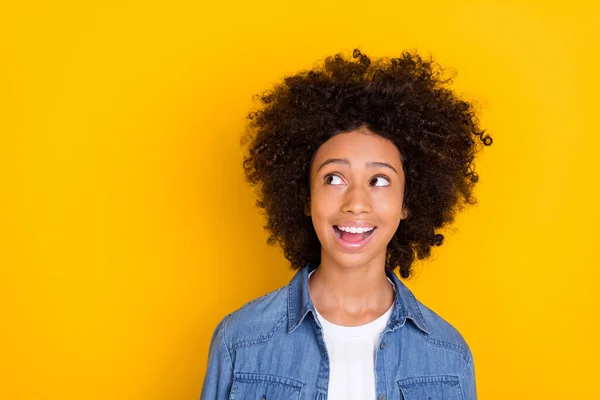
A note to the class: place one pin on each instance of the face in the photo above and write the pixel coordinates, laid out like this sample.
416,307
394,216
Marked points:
356,198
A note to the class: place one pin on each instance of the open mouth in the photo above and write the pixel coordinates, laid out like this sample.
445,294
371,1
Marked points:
352,237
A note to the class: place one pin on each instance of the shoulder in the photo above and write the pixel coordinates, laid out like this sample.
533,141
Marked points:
257,320
442,333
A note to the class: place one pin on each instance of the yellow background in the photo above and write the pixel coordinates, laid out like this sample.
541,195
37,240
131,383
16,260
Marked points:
128,231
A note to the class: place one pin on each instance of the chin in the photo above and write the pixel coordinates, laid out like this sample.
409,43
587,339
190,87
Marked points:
351,260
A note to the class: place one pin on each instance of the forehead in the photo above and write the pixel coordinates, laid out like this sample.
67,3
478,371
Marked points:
359,147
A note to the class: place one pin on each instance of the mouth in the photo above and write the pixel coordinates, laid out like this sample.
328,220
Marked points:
352,241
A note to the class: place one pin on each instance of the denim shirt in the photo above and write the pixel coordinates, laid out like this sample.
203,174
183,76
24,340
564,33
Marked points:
272,348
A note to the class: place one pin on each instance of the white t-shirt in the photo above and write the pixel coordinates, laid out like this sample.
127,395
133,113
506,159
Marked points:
351,351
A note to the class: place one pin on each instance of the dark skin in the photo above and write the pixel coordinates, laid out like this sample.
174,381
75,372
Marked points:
355,177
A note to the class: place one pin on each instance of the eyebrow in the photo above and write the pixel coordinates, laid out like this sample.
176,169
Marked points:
343,161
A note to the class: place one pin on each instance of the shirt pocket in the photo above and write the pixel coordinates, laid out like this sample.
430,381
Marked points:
439,387
253,386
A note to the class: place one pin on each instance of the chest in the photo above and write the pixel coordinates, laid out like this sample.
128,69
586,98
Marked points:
398,365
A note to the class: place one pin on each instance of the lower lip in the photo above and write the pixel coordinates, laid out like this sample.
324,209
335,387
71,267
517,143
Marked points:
352,245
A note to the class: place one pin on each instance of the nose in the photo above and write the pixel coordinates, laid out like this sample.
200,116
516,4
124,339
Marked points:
356,201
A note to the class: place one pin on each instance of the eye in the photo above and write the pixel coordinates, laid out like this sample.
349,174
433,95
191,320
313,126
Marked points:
380,181
332,179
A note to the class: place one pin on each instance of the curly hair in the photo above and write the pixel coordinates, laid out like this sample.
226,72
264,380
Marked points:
405,100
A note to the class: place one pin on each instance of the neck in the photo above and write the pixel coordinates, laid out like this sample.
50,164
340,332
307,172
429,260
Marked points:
351,291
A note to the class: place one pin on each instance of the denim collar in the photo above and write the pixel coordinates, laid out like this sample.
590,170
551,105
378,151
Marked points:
299,302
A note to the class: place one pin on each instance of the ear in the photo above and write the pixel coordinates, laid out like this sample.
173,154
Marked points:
404,213
307,207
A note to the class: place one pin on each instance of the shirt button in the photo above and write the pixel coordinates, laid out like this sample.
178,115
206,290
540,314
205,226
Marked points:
382,346
381,396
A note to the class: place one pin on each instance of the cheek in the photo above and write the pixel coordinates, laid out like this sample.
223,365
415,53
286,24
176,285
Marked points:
322,208
323,200
389,207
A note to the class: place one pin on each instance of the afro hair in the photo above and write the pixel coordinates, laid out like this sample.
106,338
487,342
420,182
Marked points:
405,100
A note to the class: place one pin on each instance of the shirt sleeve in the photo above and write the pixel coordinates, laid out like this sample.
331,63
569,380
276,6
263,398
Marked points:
219,370
468,378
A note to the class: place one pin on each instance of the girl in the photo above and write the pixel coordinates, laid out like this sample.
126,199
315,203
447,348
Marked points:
358,163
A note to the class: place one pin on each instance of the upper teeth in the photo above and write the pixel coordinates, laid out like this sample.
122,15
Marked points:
354,229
